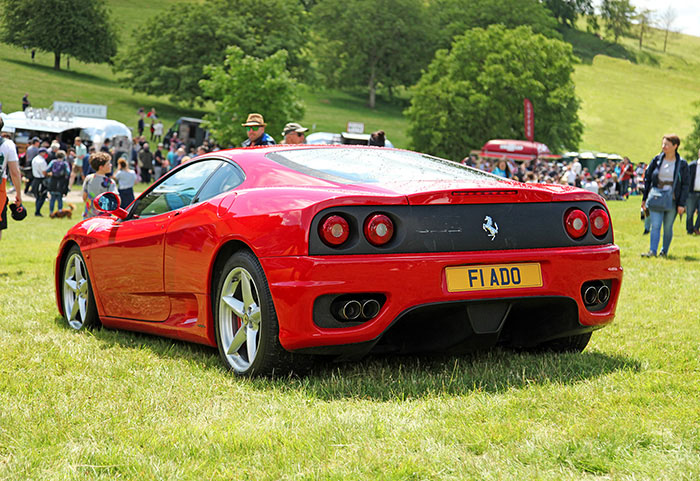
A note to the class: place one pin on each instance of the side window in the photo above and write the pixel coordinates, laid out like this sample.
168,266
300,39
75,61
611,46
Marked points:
223,180
176,191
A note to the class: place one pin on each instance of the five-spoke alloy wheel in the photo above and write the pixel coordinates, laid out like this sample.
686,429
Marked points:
247,332
78,301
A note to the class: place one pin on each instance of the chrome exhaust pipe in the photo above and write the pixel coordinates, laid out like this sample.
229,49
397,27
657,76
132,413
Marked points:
603,294
370,308
590,295
351,310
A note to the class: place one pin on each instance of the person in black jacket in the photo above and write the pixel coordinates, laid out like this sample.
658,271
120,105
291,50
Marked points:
693,204
667,173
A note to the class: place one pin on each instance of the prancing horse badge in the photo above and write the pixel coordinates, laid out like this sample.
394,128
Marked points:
490,227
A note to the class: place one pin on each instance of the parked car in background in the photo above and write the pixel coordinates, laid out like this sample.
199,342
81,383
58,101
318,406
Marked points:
345,138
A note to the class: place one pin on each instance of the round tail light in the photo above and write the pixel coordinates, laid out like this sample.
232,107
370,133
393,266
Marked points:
576,223
379,229
600,222
334,230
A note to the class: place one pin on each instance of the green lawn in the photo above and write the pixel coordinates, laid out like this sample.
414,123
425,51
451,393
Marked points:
118,405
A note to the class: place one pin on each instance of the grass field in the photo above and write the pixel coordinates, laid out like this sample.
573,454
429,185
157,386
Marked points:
118,405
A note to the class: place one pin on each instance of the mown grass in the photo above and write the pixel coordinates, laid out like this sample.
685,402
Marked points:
118,405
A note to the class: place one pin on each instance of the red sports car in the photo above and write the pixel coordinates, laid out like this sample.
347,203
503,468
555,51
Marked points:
269,253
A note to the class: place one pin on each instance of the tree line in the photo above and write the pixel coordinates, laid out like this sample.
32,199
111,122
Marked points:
467,64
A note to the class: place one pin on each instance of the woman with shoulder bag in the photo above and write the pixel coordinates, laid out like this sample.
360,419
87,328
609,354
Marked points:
666,183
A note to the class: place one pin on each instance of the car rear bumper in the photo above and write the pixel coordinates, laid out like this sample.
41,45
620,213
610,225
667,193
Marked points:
411,281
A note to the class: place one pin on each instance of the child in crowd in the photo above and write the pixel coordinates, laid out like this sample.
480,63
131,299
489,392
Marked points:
97,183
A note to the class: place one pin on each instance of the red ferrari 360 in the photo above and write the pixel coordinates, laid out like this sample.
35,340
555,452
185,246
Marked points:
276,252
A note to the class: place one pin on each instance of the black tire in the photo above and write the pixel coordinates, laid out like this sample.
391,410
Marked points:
77,298
575,343
246,325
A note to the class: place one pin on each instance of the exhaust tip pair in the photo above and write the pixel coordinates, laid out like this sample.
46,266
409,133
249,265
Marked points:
354,309
595,294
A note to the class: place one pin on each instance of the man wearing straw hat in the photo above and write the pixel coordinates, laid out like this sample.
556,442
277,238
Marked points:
255,128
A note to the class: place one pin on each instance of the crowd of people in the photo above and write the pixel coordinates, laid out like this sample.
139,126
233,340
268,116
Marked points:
614,180
51,168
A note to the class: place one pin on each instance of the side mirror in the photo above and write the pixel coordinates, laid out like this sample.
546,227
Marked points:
109,202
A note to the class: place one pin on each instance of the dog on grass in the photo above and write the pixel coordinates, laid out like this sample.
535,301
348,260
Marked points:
65,212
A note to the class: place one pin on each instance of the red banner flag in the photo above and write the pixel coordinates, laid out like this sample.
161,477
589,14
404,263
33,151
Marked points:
529,114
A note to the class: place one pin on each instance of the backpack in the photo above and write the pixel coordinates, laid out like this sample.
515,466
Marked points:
60,169
58,181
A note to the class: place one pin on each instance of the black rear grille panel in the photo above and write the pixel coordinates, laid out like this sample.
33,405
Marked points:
459,228
465,326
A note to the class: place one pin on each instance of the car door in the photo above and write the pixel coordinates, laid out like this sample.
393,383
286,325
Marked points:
192,236
132,258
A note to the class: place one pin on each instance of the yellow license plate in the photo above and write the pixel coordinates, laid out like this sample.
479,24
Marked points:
499,276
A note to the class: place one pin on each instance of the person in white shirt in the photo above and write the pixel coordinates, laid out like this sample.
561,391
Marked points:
157,131
9,162
591,184
576,167
39,167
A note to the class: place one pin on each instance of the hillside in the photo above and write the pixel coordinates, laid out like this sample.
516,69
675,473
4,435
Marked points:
630,97
629,103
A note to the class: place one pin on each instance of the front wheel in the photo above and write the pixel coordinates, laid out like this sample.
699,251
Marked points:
77,297
247,332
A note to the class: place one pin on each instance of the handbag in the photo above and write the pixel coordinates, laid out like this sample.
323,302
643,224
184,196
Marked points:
660,199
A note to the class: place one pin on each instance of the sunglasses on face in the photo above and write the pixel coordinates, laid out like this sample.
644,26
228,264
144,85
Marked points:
252,129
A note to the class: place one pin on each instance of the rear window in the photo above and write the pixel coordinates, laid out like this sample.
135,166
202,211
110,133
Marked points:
373,165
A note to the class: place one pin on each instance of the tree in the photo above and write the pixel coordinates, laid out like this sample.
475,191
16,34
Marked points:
666,21
617,15
644,20
173,49
457,16
79,28
245,84
368,42
474,92
567,11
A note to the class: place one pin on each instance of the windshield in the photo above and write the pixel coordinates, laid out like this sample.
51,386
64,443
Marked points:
373,165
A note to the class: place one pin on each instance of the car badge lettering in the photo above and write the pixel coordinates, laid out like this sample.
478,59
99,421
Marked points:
490,227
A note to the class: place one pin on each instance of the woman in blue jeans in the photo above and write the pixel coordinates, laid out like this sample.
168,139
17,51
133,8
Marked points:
668,175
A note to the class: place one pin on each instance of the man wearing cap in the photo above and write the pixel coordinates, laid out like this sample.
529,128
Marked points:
9,162
32,152
255,127
294,133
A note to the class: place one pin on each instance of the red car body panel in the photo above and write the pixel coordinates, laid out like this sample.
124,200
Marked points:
296,282
155,275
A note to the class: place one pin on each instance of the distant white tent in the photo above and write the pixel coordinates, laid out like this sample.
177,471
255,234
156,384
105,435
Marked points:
96,130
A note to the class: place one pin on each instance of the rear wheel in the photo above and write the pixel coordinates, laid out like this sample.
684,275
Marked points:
247,332
77,297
